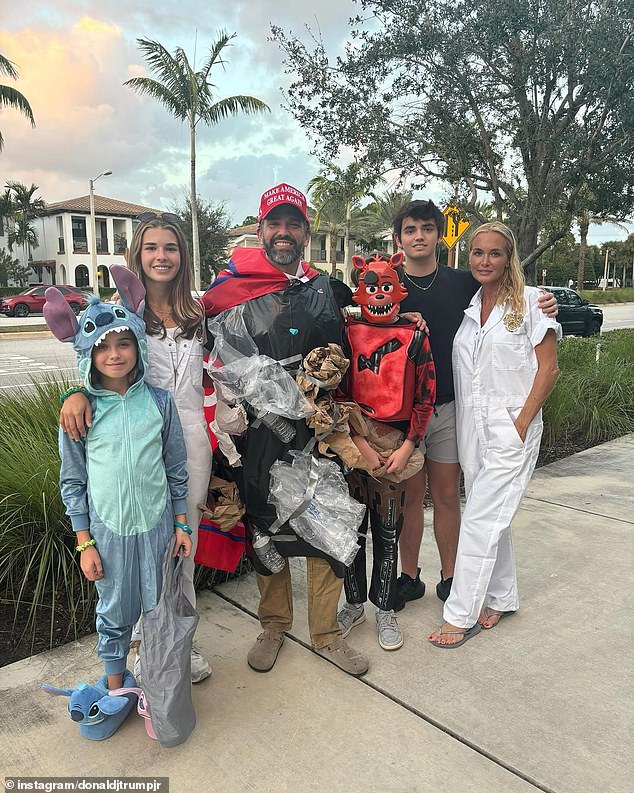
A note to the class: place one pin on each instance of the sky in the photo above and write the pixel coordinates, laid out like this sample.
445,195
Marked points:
73,57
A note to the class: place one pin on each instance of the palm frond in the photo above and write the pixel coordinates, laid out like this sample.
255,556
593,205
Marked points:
7,68
152,88
214,53
231,106
9,97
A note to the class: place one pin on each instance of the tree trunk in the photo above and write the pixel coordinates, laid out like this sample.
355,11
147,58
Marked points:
346,244
584,225
194,207
333,254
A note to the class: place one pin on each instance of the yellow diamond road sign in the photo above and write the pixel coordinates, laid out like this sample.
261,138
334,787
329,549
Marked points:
455,226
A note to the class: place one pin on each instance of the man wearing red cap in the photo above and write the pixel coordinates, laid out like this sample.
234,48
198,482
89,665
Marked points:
289,310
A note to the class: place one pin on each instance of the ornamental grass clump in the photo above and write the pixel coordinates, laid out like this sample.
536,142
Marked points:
40,579
593,400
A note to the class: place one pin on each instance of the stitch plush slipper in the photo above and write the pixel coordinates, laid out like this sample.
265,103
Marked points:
466,633
488,614
98,714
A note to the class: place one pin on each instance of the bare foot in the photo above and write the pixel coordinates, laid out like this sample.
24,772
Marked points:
489,617
448,634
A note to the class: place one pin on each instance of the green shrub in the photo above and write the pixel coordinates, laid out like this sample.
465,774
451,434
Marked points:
593,400
38,569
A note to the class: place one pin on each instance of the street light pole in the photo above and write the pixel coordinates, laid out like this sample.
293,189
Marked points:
94,278
606,268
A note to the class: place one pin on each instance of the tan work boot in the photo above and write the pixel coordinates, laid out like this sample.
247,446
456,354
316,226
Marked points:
345,657
263,654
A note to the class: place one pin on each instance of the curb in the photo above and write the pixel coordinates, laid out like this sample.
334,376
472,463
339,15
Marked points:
25,334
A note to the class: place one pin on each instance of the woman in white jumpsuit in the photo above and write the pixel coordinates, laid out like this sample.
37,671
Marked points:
175,328
505,366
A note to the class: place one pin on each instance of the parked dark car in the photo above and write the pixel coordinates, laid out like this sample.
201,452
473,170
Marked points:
32,300
578,317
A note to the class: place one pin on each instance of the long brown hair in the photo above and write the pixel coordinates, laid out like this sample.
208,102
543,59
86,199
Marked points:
187,312
511,287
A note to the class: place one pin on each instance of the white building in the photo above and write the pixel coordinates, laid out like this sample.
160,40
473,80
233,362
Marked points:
65,240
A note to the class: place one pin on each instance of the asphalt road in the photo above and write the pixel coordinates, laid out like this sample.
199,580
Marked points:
23,360
618,315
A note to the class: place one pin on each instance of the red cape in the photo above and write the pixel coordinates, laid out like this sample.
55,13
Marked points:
249,274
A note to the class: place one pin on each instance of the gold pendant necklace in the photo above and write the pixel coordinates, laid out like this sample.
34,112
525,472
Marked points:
418,286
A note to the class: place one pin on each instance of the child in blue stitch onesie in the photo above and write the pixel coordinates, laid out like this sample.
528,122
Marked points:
124,485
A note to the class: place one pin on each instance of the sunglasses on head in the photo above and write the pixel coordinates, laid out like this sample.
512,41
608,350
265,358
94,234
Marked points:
168,217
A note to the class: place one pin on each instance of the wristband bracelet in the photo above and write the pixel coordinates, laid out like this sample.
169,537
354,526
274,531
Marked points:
78,389
85,545
183,526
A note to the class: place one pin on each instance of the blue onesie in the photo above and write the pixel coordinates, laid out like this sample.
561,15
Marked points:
126,480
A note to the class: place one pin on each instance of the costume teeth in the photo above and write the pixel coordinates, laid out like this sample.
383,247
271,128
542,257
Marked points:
118,329
382,309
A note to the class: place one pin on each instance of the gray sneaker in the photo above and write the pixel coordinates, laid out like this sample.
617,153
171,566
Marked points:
349,615
390,635
200,667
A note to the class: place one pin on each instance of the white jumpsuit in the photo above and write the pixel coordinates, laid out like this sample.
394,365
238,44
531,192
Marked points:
494,369
176,364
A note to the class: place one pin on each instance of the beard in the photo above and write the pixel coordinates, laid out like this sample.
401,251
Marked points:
283,258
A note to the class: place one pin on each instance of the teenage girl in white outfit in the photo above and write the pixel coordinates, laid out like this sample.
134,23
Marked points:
505,366
174,325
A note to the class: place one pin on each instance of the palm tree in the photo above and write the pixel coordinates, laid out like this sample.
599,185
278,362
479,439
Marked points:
24,208
330,218
342,189
9,97
188,95
381,212
584,219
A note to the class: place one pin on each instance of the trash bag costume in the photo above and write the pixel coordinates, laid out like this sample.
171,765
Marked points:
392,378
286,318
126,480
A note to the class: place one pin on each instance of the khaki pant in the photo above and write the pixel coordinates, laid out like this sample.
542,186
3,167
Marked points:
323,590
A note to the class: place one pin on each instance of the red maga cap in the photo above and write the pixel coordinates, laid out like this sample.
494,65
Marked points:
282,194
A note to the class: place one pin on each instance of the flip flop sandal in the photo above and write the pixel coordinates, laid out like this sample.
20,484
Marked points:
467,634
488,612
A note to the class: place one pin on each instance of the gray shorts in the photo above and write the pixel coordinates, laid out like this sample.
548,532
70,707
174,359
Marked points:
440,443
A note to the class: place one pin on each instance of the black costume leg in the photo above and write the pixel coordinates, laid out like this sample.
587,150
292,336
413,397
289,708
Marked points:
355,580
387,502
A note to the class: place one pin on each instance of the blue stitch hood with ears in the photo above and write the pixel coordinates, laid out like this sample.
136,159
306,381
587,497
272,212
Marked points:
98,320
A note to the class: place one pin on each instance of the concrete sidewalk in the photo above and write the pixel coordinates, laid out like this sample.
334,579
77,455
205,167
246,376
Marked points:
543,702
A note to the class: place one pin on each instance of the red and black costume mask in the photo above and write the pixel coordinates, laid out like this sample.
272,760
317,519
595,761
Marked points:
380,291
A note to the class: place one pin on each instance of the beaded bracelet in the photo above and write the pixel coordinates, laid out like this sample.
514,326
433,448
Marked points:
85,545
183,526
78,389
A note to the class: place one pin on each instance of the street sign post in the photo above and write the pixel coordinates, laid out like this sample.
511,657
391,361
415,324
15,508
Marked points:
455,225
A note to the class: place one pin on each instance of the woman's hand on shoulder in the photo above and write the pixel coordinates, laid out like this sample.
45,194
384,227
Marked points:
75,417
548,303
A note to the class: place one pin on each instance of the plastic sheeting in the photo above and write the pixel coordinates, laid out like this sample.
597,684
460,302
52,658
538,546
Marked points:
312,495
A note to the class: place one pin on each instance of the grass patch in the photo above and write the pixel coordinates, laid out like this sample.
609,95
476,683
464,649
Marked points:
609,296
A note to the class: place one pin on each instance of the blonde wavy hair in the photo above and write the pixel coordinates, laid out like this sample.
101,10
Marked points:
511,287
188,313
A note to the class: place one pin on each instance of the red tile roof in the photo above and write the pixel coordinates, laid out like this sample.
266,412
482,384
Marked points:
103,206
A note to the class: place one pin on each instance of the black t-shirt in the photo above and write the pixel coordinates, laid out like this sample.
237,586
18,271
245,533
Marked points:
442,307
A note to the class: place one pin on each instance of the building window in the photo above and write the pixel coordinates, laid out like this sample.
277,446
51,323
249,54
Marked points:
82,277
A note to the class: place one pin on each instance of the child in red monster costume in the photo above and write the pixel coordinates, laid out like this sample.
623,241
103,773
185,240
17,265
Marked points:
392,379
